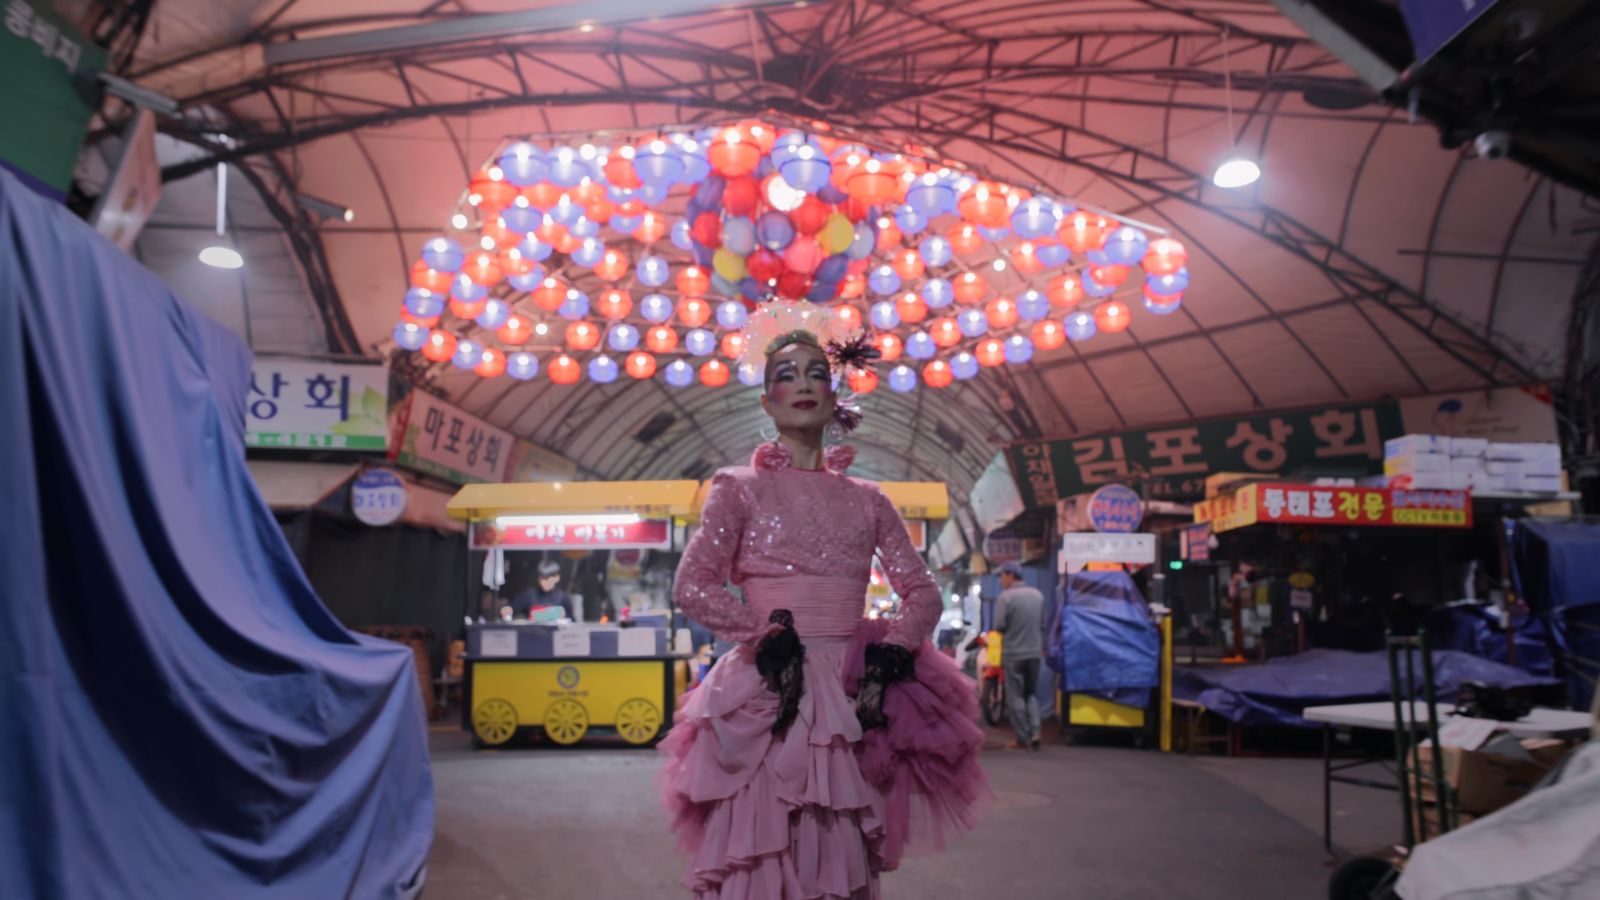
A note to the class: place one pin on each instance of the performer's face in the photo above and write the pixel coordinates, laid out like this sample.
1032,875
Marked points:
800,391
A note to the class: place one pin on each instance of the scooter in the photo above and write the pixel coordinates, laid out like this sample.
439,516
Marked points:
991,678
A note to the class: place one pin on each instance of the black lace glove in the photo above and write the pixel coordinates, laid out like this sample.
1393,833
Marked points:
779,659
886,664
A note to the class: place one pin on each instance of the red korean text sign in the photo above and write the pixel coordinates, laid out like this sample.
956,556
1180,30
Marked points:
574,534
1295,504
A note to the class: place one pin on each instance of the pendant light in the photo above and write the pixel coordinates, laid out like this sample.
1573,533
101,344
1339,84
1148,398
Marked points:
220,255
1238,170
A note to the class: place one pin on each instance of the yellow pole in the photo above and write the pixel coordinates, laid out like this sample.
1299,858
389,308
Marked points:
1166,684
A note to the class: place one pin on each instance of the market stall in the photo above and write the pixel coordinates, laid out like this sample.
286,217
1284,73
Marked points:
566,679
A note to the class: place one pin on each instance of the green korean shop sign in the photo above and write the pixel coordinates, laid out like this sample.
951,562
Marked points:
1173,462
48,68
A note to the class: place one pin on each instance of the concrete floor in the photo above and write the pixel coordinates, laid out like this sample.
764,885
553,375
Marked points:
1071,821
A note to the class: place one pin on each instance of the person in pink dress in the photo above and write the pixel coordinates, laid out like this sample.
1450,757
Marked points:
826,744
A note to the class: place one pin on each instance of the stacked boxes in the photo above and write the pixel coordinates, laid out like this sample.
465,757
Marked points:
1435,462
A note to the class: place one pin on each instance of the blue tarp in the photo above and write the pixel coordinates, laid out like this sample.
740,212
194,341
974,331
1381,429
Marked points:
180,716
1475,628
1104,643
1557,574
1274,692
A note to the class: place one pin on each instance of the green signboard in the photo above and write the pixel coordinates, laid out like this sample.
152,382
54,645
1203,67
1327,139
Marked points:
1173,462
48,68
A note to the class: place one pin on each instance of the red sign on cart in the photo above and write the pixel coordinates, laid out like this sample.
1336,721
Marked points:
575,533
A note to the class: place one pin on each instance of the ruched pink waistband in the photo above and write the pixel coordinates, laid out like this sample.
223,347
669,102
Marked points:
822,607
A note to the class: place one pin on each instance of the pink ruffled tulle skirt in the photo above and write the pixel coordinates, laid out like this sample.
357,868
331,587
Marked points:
822,810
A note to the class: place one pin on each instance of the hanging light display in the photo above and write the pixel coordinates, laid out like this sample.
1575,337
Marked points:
951,272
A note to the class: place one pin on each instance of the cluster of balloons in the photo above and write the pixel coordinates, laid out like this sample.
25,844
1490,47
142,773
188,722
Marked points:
924,254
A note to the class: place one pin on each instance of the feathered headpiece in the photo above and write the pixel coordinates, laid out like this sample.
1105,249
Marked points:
780,323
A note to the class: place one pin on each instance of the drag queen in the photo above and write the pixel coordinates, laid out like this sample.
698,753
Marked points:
826,744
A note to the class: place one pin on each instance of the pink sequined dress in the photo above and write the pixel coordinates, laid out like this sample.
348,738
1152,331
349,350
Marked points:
821,810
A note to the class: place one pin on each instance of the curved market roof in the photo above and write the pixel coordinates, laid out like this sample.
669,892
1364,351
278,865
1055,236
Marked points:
1368,261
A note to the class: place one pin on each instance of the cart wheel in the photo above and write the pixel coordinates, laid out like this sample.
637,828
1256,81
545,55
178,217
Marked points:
494,722
638,721
566,721
1361,878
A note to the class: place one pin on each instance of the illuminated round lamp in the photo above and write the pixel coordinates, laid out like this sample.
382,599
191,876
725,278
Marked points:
652,228
516,266
440,346
1082,231
906,264
750,374
483,268
410,336
805,169
1065,290
1051,254
516,331
884,280
984,204
423,303
534,248
909,221
551,231
852,286
491,189
889,236
1001,313
657,162
970,288
588,190
780,195
464,310
468,354
522,365
425,322
622,337
1164,257
491,363
1019,349
911,308
700,342
1167,285
991,352
523,164
972,322
1035,218
640,366
862,381
889,345
1080,326
935,250
550,294
920,345
583,336
874,183
427,278
614,304
902,379
693,282
732,155
733,344
1112,316
965,238
694,312
655,308
732,314
565,370
568,168
937,374
938,293
1236,172
847,161
466,290
443,254
945,332
1162,305
930,196
849,317
497,232
1113,275
763,135
884,315
1048,334
1032,305
612,265
542,195
602,369
653,271
714,373
576,306
493,315
661,339
1126,246
679,373
619,170
1025,259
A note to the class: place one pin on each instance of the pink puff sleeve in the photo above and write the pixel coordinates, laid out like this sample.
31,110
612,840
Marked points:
700,587
920,601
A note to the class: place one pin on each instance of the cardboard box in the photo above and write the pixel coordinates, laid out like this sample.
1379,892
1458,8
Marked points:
1429,826
1523,451
1413,463
1483,779
1462,446
1416,443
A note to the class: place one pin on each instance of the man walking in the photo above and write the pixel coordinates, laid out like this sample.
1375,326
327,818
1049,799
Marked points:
1019,617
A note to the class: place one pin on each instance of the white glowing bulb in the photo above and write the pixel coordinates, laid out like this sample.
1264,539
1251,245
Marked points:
541,329
487,243
1236,172
999,265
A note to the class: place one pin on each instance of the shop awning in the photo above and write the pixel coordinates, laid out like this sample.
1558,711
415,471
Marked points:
650,499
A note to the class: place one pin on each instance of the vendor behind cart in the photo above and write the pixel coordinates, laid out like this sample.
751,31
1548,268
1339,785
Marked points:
548,593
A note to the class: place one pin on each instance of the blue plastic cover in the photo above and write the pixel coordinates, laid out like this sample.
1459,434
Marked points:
1555,571
1104,644
1275,692
180,716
